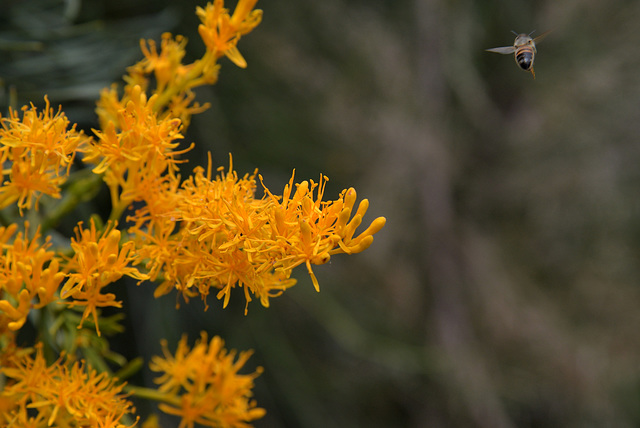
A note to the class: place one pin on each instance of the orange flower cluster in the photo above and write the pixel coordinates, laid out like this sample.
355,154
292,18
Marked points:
28,269
136,151
206,233
64,394
202,385
216,234
40,148
98,261
174,80
137,141
221,32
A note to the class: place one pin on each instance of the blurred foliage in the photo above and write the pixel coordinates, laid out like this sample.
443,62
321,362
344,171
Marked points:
504,290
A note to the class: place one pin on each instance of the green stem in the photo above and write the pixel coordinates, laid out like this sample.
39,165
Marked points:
151,394
118,210
131,368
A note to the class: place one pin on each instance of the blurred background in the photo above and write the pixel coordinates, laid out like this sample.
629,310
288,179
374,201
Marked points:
504,290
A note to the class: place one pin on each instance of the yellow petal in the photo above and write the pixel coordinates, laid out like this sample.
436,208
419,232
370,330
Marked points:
236,57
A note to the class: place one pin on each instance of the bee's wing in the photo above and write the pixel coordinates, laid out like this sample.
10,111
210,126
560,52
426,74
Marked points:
505,50
541,36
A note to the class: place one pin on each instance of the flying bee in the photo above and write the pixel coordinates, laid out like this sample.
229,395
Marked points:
524,48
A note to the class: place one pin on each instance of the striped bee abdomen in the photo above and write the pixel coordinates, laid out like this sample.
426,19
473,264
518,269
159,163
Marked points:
524,57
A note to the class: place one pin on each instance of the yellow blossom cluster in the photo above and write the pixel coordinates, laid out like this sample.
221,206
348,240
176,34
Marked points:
40,149
209,232
63,394
174,81
28,269
217,234
136,147
136,152
221,31
99,260
202,385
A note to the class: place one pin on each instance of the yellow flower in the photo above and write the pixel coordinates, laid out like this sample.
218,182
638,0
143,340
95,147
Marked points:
202,385
310,230
221,32
27,270
40,148
216,234
174,80
166,65
98,260
136,151
65,393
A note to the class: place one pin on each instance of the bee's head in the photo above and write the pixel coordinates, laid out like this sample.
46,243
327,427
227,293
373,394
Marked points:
523,39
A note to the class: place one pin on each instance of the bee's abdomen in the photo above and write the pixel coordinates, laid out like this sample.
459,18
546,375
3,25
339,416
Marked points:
524,58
